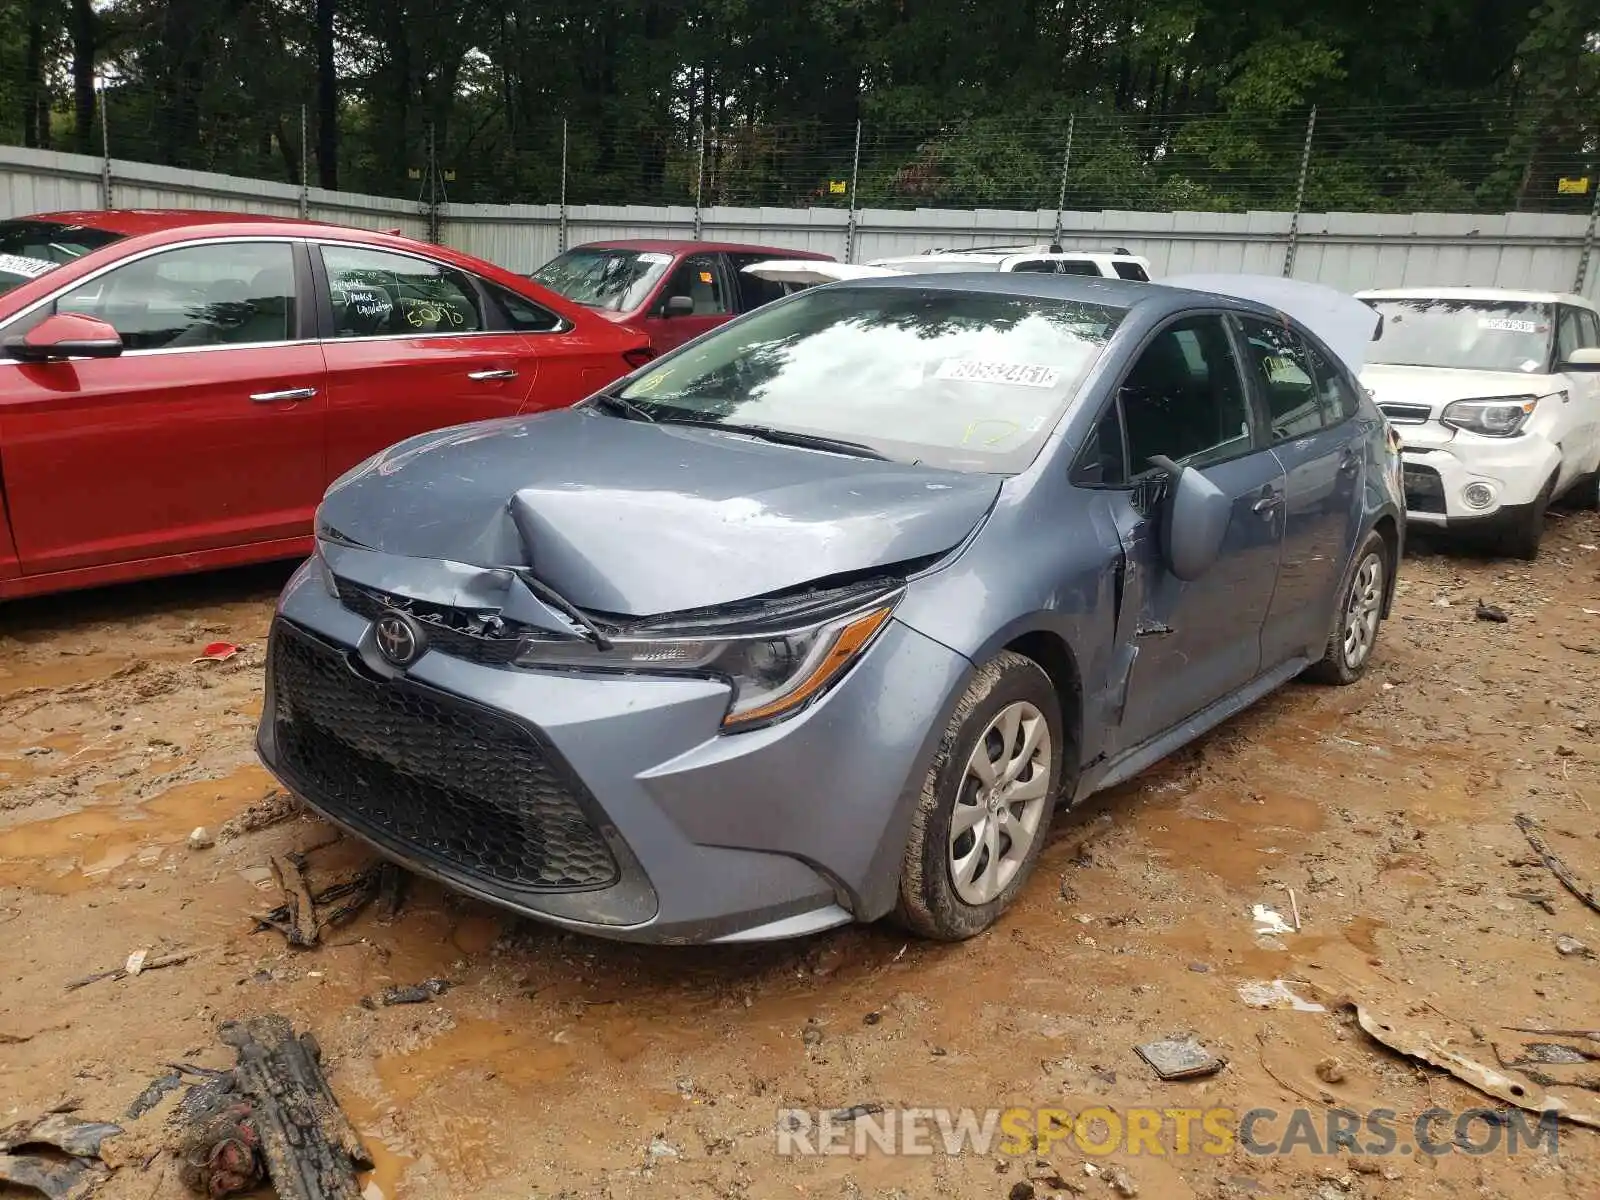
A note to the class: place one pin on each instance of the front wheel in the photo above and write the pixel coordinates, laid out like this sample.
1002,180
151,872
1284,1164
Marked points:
986,803
1358,617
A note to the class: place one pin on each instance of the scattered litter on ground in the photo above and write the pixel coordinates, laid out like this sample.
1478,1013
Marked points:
157,1090
856,1112
1276,994
1552,1054
273,809
1294,909
138,963
1488,612
1570,947
1592,1035
417,993
1332,1070
273,1114
1525,1095
1122,1183
201,838
218,652
1559,869
661,1148
299,918
1542,899
1180,1058
44,1170
1268,922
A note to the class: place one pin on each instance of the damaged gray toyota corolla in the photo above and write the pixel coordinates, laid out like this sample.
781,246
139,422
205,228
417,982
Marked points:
816,619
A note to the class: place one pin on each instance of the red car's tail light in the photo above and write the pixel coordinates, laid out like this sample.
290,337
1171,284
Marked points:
637,358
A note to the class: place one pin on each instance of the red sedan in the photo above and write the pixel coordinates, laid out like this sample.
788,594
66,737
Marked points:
673,290
177,389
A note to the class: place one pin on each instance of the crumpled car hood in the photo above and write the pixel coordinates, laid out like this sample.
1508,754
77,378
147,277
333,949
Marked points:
628,518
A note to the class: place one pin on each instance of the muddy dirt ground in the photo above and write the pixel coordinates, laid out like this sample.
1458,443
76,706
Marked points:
559,1065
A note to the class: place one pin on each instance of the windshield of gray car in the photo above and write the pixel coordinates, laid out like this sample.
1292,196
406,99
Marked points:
606,277
973,381
29,249
1473,335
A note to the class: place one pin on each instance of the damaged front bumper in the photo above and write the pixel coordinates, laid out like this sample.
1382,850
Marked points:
608,803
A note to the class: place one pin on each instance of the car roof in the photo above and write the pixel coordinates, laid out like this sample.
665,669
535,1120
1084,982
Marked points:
132,222
1509,295
686,245
1116,293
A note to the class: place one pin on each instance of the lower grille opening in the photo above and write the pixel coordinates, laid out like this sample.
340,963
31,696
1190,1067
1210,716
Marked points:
463,787
1424,490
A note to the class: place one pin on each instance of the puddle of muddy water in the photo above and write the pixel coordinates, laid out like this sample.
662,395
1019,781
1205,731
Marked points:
66,854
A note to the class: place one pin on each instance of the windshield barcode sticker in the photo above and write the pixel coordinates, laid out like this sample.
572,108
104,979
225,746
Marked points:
967,370
28,268
1507,325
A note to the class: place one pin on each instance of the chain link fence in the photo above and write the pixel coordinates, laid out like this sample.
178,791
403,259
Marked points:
1444,158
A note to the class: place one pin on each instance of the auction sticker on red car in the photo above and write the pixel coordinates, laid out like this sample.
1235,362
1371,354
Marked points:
968,370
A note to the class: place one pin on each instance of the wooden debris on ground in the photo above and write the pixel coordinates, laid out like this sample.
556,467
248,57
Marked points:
1583,891
135,966
305,914
272,1117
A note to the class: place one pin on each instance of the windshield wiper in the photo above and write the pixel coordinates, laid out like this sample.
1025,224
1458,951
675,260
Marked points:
567,609
622,406
811,441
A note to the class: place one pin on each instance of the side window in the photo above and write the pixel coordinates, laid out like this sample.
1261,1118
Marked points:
1573,332
222,294
519,313
1281,367
1077,266
1131,270
377,294
1589,322
1338,400
699,278
753,292
1184,398
1037,266
1103,461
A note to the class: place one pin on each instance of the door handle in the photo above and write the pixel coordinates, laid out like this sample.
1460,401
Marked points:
1350,462
304,393
1267,504
496,373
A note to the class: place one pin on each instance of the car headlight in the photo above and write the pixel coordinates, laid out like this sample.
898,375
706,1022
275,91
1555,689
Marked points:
774,672
1498,416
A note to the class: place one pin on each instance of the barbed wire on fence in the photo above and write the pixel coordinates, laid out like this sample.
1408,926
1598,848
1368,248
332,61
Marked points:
1467,158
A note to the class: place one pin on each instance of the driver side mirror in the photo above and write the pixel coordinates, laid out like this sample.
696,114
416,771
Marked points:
1193,519
1586,359
66,335
678,306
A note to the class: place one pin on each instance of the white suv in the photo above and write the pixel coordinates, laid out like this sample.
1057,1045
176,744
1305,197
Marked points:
1042,259
1496,396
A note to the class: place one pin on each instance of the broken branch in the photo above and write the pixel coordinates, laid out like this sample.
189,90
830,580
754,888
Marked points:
1559,869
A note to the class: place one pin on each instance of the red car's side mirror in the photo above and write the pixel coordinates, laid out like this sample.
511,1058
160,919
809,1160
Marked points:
66,335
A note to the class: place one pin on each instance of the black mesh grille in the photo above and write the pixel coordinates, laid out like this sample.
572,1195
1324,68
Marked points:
1424,490
456,783
451,631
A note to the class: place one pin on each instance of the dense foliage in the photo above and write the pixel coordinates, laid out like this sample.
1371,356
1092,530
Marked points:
1439,104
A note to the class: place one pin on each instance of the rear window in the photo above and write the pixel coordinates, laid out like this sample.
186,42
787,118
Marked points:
29,249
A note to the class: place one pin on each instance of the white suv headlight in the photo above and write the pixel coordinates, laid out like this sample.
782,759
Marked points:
1496,416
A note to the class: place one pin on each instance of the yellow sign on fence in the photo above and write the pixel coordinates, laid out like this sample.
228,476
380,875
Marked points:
1573,187
837,187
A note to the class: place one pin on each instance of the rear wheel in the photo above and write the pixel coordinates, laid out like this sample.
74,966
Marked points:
986,803
1358,617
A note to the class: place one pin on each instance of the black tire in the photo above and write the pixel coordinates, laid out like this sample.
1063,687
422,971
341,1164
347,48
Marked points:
930,903
1523,541
1340,666
1586,495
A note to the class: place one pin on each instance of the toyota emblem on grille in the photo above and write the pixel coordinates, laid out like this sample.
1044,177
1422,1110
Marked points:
399,640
